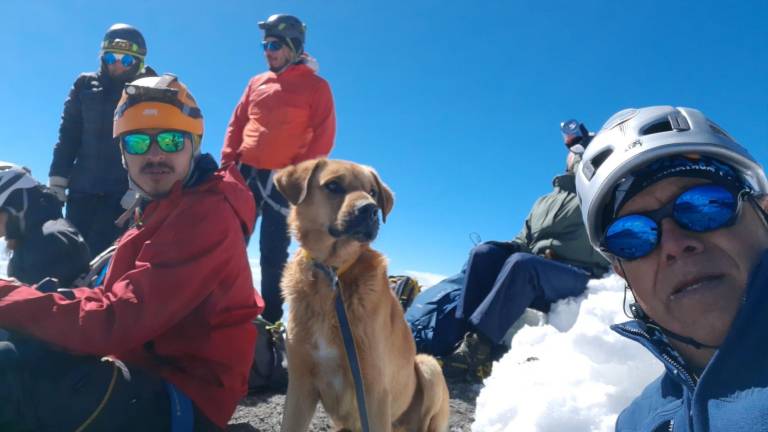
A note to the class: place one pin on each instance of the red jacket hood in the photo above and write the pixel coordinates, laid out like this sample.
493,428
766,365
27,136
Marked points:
232,185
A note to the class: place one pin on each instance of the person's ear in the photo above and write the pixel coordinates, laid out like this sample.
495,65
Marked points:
617,268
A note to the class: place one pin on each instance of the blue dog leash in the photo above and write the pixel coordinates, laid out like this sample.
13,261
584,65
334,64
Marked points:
349,342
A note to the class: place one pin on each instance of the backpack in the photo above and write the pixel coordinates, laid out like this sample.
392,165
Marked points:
269,368
432,317
405,288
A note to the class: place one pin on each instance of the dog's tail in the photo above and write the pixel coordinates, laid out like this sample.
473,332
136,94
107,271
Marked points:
435,409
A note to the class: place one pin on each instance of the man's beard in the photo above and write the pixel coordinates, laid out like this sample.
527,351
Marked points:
159,165
125,76
280,68
128,75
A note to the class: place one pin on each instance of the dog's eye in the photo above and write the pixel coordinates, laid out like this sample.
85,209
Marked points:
373,193
334,187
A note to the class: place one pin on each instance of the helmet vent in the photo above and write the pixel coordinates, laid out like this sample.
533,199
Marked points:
716,129
662,126
624,128
593,164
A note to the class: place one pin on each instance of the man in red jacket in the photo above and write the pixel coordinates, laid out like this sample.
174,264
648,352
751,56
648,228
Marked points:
284,117
167,341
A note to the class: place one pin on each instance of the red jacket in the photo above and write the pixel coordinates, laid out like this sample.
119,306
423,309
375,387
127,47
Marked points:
281,119
181,281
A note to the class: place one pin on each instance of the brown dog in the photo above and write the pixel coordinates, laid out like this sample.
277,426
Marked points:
334,216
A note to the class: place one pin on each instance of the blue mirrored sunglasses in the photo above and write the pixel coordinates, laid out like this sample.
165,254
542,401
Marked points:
699,209
111,58
273,45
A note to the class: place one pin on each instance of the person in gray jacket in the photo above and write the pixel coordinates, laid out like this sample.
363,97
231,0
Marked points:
86,162
550,259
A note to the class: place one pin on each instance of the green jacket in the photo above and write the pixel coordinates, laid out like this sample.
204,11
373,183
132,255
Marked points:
555,224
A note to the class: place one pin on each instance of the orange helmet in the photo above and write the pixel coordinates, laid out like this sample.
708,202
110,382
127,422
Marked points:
157,103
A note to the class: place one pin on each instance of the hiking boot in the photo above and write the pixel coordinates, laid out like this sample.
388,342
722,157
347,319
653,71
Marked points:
471,360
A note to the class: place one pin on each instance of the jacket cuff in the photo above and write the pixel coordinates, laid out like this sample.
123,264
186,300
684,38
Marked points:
54,181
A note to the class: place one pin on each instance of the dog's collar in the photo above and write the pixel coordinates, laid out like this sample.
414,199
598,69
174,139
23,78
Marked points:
332,273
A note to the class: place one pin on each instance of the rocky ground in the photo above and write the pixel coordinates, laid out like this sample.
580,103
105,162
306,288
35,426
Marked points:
263,412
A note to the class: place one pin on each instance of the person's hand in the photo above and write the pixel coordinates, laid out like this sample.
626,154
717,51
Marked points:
129,199
58,185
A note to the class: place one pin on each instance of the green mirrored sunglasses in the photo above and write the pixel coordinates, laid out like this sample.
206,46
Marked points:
138,143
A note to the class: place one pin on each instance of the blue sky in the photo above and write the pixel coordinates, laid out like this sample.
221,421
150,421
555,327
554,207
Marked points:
456,104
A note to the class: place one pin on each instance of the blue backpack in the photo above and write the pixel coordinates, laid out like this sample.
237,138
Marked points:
432,317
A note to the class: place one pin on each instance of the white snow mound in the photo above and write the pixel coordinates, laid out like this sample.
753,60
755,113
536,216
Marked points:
574,374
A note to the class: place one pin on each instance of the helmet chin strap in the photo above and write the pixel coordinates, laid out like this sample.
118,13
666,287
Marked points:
639,314
19,215
760,210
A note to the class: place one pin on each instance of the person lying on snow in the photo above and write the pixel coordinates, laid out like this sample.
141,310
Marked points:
168,339
678,207
42,243
550,259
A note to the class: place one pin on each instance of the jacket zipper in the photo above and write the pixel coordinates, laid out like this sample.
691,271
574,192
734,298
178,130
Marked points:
678,368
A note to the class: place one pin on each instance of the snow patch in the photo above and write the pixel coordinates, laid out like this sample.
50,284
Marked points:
255,273
3,258
425,279
573,374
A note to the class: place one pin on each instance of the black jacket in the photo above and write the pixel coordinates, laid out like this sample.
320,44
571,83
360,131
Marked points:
86,153
55,249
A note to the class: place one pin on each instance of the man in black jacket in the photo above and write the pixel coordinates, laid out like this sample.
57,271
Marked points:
85,160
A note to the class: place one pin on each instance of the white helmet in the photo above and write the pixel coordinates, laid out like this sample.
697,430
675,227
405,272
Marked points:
13,177
632,138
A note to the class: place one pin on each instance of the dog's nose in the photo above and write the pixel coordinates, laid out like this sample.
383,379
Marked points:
367,212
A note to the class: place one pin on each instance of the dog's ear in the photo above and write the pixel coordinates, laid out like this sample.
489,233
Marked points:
385,199
293,181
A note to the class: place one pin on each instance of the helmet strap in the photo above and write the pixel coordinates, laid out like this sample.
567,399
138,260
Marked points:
16,223
760,210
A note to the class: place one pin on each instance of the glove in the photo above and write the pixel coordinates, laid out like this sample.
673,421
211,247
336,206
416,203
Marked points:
129,199
58,185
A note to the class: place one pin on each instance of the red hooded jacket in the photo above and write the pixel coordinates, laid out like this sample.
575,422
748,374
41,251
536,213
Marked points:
281,119
177,301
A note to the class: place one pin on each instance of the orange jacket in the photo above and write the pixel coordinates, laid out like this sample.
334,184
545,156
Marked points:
181,281
281,120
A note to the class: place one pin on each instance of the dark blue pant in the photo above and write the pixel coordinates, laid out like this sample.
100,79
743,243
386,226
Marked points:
274,238
501,283
44,389
94,216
